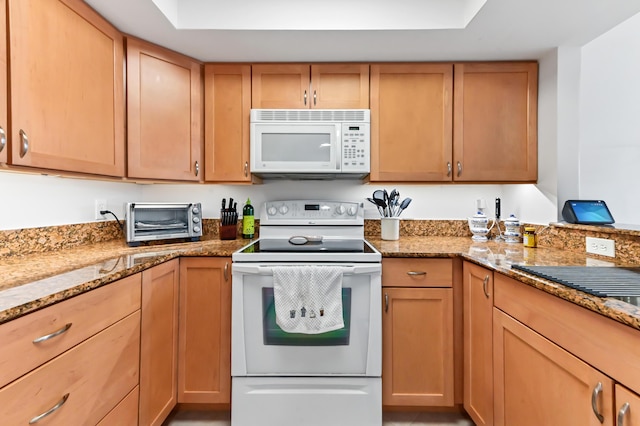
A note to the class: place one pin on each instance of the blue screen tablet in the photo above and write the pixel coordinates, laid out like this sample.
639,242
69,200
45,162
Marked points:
590,212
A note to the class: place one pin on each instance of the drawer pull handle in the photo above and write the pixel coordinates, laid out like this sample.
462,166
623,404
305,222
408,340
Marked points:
459,169
413,273
448,168
197,167
3,139
386,302
485,282
594,401
246,168
24,146
54,334
50,410
226,271
623,413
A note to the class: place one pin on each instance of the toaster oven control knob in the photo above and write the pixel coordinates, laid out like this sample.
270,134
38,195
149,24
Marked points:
195,210
196,220
351,211
340,209
272,211
196,229
283,209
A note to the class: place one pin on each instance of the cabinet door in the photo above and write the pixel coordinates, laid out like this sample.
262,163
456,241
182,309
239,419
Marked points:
495,122
340,86
417,347
159,343
477,290
164,111
227,103
628,406
411,122
539,383
67,93
3,82
204,370
280,86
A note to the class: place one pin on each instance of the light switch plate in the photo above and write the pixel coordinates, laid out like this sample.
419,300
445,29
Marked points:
602,246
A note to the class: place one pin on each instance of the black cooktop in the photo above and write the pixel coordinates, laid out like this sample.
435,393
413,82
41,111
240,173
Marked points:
617,282
282,245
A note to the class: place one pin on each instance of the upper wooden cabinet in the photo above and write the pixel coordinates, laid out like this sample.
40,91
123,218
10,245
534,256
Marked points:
324,86
227,105
164,111
3,82
411,122
67,93
495,122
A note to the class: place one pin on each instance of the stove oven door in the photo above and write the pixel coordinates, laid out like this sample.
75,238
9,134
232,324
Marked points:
260,348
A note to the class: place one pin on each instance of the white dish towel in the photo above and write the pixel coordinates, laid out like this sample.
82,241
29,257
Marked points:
308,299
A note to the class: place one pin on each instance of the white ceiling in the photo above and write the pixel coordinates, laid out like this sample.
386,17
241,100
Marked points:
502,29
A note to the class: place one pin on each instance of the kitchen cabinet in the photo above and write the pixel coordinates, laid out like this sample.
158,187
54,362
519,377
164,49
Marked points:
417,333
204,356
322,86
125,413
411,122
495,122
164,112
537,382
478,343
227,106
67,106
159,342
80,355
627,406
564,349
3,82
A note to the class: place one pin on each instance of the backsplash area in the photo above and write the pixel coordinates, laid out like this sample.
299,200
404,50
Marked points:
556,235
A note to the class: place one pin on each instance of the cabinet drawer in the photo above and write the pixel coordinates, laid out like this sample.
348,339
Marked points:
93,376
125,413
87,314
414,272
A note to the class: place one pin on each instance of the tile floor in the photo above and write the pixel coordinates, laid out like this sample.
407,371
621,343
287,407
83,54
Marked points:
208,418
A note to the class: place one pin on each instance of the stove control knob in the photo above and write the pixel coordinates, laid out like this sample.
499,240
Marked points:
272,211
283,209
351,211
340,209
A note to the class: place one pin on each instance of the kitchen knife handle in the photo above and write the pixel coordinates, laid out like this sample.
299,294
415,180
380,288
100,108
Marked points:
51,410
386,302
622,413
24,147
485,283
226,271
246,168
459,169
3,139
594,401
448,168
197,167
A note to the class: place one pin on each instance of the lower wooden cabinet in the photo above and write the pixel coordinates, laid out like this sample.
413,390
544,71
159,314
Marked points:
539,383
627,406
125,413
477,289
417,337
204,356
159,343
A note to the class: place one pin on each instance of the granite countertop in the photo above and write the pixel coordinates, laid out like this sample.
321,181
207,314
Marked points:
28,283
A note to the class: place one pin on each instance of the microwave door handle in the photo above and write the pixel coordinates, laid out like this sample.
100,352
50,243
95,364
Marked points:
340,148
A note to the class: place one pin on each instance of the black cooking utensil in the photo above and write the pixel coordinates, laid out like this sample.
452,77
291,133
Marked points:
379,204
405,203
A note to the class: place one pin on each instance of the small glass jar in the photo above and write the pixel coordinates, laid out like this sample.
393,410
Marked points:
529,236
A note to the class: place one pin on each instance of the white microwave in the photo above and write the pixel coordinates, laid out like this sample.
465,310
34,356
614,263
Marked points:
310,144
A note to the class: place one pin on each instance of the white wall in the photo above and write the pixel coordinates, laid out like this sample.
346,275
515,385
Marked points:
610,121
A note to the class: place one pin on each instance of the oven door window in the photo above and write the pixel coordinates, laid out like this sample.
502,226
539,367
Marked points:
274,335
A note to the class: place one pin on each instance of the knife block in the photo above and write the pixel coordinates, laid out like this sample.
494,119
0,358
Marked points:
228,232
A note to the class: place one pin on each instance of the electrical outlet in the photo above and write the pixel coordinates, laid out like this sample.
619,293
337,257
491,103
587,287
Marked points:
100,204
602,246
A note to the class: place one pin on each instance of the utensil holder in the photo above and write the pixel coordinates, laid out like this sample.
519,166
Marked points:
390,228
228,232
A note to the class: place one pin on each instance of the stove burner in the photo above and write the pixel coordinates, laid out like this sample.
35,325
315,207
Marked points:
617,282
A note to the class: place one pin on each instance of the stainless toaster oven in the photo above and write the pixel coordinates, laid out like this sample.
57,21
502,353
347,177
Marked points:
162,221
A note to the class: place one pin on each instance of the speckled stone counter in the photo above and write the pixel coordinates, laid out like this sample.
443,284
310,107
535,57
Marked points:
30,282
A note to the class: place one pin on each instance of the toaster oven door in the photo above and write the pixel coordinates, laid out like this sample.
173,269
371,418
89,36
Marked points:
149,221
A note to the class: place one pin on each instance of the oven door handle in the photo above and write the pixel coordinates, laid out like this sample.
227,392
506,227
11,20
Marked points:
268,270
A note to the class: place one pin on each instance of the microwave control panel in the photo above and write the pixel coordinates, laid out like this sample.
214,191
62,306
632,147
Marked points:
356,147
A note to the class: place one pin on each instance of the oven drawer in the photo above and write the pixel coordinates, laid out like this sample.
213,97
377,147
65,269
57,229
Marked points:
417,272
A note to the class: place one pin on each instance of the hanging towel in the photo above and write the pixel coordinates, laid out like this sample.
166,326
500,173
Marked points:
308,299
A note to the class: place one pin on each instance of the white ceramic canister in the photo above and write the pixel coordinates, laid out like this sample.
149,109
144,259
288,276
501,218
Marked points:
512,229
390,228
